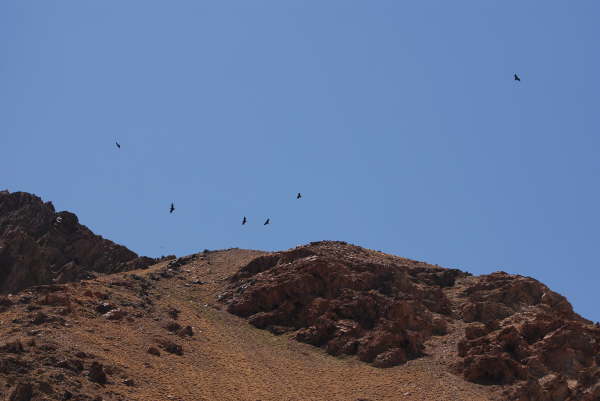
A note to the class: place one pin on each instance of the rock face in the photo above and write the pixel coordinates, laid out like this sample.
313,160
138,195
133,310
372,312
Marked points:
40,246
346,299
524,333
516,332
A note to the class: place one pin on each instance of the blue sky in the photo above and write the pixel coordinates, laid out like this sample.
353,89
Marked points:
398,121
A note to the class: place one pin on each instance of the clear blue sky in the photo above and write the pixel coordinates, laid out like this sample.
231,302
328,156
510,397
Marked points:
398,121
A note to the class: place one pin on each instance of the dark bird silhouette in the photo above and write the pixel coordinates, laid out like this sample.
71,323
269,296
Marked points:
118,145
517,78
172,209
299,195
267,222
244,221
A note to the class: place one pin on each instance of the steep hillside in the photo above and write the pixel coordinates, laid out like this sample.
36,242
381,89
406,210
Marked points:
342,323
41,246
508,330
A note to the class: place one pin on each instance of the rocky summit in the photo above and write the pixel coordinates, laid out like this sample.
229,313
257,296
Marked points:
86,319
41,246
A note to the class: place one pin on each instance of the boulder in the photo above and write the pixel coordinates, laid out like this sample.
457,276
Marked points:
21,392
97,374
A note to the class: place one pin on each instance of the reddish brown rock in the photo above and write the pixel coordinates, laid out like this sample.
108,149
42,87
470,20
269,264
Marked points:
476,330
556,387
74,365
5,303
345,298
171,347
349,300
493,369
105,307
115,314
186,331
41,246
55,299
97,373
527,335
13,347
391,357
173,327
498,295
22,392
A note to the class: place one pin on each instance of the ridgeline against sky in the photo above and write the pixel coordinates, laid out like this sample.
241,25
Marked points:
402,126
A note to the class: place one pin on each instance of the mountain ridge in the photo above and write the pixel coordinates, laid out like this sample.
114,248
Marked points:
41,246
252,325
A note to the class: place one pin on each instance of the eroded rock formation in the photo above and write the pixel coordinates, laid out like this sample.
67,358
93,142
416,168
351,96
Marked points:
526,334
40,246
345,298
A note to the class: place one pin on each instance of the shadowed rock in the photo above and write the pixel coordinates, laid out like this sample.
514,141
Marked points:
22,392
97,373
34,250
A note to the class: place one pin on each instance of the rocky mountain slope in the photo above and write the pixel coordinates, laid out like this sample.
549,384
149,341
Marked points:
324,321
512,330
161,334
40,246
332,311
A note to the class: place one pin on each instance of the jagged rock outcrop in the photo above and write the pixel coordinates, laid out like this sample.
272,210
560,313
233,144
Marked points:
40,246
345,298
517,332
525,334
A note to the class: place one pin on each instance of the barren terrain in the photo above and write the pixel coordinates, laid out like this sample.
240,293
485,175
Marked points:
88,319
224,359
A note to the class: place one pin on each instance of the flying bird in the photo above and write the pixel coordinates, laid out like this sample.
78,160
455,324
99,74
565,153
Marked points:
172,209
517,78
267,222
299,195
118,145
244,221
